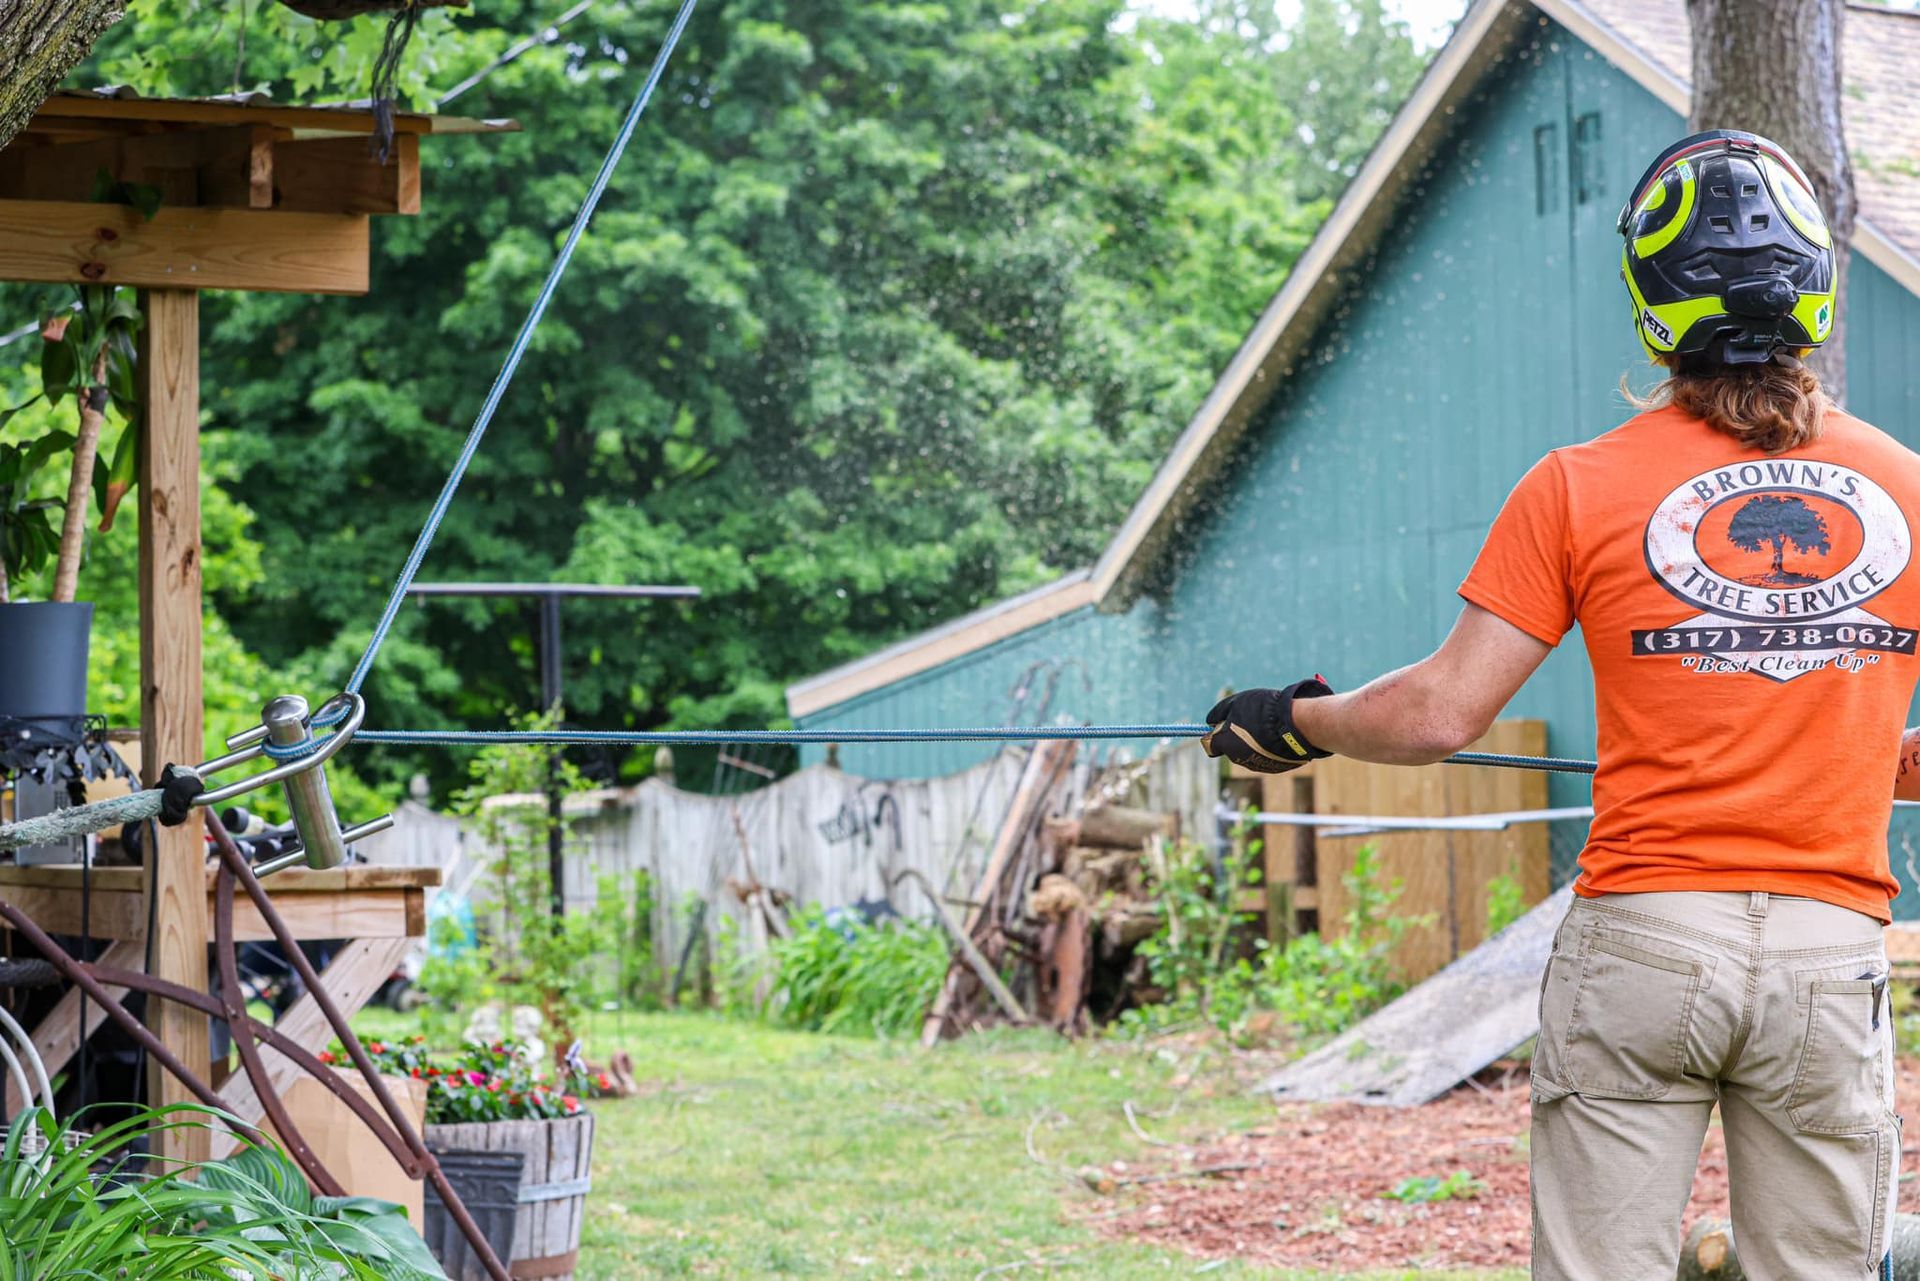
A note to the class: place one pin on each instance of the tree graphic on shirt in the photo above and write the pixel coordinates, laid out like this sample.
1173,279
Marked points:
1778,520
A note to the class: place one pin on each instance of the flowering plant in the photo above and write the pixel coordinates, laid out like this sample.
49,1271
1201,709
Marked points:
485,1082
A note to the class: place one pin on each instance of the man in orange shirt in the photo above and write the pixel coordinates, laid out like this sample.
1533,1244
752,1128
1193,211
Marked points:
1737,559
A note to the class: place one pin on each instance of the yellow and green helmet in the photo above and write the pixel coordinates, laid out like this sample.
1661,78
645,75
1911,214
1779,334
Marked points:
1728,257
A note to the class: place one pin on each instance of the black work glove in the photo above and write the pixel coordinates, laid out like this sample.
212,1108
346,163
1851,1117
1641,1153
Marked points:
178,790
1254,728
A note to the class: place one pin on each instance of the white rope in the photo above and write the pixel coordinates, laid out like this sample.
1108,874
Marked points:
80,820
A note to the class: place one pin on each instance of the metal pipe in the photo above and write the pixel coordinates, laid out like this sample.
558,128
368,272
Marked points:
285,719
611,590
235,863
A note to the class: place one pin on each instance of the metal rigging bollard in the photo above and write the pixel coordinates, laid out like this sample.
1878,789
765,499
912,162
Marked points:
286,736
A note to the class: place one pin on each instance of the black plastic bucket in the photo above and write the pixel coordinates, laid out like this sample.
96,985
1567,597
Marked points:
488,1183
43,659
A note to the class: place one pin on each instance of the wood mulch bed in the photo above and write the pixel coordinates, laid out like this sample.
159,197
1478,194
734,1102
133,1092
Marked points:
1306,1190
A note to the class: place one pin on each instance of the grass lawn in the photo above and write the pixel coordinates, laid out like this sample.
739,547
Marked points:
755,1152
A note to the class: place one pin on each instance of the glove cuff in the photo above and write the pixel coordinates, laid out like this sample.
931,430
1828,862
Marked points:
1312,687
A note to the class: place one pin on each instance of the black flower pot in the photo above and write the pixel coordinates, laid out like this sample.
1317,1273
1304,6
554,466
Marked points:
43,660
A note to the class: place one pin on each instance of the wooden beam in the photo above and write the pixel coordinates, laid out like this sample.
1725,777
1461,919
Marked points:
57,1036
295,880
201,111
344,914
339,175
351,979
171,712
64,242
230,166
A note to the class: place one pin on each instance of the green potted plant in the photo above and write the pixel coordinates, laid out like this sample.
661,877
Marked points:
499,1098
88,355
76,1200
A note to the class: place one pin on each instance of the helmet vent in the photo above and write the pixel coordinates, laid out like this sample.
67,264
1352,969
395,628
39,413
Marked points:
1749,189
1721,222
1759,222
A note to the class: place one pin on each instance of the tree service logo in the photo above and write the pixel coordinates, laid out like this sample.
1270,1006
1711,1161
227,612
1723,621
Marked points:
1780,557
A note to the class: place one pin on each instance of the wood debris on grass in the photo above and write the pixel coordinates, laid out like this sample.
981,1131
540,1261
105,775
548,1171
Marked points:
1310,1189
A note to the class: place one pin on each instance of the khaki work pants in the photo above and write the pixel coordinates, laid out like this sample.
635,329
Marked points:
1657,1006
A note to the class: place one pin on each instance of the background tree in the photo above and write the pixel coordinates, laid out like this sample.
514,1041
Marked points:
1772,67
890,311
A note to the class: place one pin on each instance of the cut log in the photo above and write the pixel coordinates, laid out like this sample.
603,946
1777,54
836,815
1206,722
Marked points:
1065,972
1708,1253
1120,827
1103,871
1127,924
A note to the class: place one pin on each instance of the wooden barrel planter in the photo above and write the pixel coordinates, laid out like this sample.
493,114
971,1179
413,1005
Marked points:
554,1183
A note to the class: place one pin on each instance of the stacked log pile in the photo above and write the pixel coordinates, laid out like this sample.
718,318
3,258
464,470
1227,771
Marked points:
1066,899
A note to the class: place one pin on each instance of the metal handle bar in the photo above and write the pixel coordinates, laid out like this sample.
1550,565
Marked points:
252,745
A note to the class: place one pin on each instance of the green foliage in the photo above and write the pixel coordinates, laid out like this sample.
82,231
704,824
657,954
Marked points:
838,973
890,311
1461,1185
29,527
1312,987
75,1204
531,957
1506,902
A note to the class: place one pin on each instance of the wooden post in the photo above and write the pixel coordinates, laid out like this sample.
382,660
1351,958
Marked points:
171,713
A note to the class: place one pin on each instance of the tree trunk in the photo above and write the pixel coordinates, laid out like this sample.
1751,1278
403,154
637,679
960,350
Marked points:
1708,1254
1772,67
40,41
86,447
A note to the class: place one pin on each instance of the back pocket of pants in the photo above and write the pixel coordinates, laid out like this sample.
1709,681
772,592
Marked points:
1838,1088
1626,1035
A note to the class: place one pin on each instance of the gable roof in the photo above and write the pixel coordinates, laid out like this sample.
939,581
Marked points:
1647,40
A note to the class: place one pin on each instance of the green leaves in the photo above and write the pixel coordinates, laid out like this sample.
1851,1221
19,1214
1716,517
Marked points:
87,1207
889,313
839,972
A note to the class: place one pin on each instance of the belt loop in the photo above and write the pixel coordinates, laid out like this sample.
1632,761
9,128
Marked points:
1757,904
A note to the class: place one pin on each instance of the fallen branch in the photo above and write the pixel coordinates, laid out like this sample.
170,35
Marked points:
1174,1176
1133,1123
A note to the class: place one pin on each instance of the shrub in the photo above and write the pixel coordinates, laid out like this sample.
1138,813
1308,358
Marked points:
1314,987
838,972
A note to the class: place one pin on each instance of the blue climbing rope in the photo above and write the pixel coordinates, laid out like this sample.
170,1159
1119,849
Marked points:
722,737
519,349
987,734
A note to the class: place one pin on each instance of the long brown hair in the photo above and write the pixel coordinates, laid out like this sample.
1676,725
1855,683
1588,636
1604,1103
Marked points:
1771,407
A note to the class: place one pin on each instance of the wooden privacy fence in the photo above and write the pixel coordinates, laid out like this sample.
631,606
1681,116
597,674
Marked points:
827,838
819,836
1443,874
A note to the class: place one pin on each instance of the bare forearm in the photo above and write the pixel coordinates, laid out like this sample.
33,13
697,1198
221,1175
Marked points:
1403,718
1906,780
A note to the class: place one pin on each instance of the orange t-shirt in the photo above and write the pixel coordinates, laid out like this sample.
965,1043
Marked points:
1751,622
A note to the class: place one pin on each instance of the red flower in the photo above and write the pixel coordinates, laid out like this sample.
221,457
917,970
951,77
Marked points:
376,1047
416,1074
572,1104
326,1056
602,1081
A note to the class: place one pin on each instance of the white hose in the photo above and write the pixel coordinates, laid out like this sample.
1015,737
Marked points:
33,1058
18,1073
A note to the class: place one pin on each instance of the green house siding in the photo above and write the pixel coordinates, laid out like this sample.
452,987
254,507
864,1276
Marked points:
1490,328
